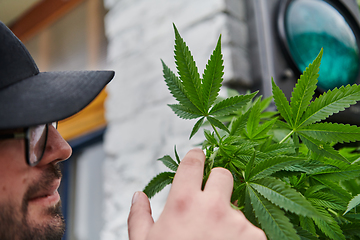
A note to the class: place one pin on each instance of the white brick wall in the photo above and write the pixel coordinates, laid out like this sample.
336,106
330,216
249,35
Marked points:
141,127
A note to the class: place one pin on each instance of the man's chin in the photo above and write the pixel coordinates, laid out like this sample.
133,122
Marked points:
48,224
50,219
43,209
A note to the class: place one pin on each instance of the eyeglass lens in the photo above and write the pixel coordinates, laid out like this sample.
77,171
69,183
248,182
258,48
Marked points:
37,141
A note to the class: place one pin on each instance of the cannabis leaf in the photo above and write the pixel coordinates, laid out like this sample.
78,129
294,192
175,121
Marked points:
196,96
158,183
353,203
300,113
293,177
331,102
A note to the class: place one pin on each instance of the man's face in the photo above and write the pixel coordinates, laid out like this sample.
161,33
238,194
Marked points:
29,201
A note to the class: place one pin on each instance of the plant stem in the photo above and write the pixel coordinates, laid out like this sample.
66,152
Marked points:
286,137
333,212
217,133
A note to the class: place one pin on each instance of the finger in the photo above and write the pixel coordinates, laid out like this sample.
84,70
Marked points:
220,182
140,220
189,175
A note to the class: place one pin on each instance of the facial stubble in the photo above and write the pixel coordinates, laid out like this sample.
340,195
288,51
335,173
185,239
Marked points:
15,222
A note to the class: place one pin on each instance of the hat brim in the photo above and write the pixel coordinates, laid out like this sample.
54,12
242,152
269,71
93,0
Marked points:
49,96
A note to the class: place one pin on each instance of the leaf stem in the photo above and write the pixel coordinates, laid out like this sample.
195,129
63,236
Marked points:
217,133
333,212
286,137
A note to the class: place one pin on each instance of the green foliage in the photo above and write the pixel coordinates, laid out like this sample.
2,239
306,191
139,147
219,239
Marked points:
353,203
158,183
289,179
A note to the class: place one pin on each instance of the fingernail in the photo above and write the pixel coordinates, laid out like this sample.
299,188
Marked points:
136,194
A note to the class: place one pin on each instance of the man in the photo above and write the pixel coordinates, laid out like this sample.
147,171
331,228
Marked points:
31,103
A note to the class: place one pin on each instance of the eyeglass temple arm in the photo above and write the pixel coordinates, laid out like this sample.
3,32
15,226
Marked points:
12,135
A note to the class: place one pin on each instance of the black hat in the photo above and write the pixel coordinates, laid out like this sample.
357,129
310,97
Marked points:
29,97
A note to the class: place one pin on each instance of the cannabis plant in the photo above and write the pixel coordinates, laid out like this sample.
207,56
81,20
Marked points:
292,178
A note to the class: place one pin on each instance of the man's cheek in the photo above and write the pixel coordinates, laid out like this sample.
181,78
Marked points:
11,193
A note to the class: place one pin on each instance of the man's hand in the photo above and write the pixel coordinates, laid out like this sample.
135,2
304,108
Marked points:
190,213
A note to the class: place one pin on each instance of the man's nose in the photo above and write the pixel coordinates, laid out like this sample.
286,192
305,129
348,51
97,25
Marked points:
57,149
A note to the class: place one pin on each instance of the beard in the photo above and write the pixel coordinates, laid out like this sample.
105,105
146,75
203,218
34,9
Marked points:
15,222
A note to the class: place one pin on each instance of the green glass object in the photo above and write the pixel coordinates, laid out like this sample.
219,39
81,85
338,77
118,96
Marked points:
314,24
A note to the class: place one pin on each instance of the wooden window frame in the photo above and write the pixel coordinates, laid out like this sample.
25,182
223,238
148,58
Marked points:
36,20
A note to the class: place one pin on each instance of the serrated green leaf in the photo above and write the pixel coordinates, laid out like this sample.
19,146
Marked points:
210,137
331,102
268,114
282,103
283,196
268,142
351,186
350,153
283,125
351,230
326,204
353,203
272,219
169,162
305,235
295,168
217,123
176,155
239,192
239,123
233,140
277,148
183,112
317,167
334,187
230,105
237,163
334,163
332,132
188,72
263,129
329,227
353,216
235,172
158,183
177,89
327,200
196,127
212,77
305,89
313,189
321,148
248,208
307,224
254,118
247,154
339,174
296,181
249,167
265,103
271,165
243,144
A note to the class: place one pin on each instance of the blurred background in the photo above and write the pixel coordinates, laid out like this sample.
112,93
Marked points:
118,137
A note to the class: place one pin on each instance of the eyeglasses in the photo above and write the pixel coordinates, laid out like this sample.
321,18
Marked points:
35,141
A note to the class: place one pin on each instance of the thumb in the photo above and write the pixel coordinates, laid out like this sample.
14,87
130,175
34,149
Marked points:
140,220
